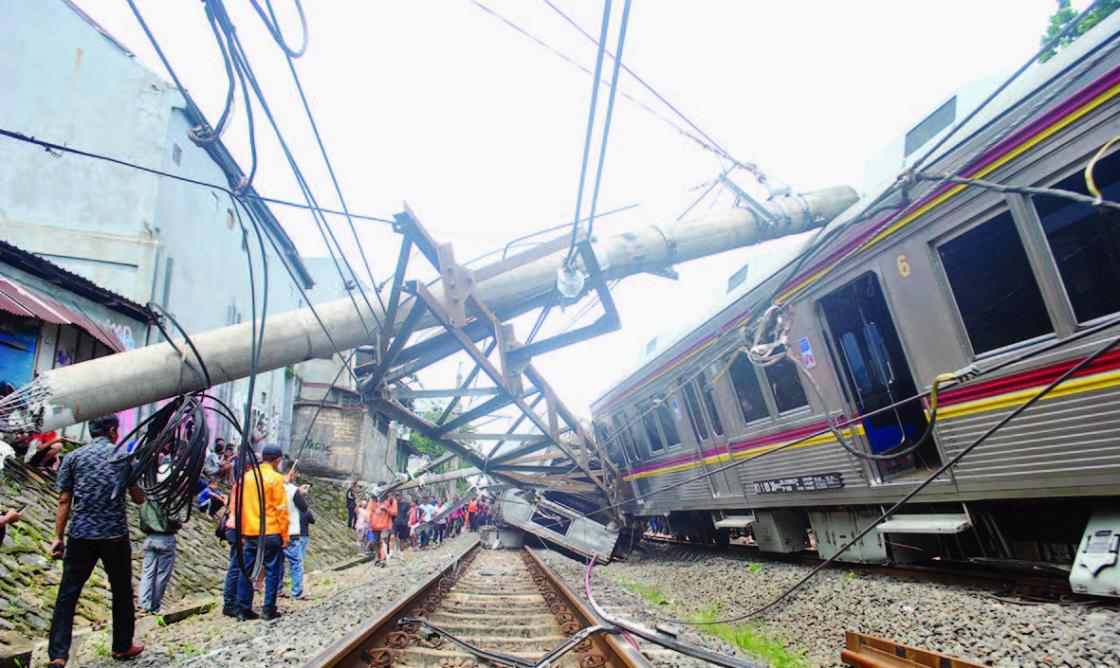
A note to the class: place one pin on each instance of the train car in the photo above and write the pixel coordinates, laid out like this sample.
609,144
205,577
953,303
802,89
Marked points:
920,278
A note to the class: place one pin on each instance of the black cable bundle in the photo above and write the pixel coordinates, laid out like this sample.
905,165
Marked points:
167,460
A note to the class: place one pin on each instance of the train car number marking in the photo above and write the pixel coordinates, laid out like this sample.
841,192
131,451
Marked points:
903,266
805,483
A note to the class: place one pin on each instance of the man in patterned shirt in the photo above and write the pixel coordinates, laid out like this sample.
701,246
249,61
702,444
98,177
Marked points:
91,501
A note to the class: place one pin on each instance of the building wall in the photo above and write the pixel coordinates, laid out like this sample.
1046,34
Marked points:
146,237
67,83
344,443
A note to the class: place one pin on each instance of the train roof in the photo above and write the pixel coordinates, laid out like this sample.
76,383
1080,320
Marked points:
881,175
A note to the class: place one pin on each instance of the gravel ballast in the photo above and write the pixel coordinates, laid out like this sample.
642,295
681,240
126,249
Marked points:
340,600
958,621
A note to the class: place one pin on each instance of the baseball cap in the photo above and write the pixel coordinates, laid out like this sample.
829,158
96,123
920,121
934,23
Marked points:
271,452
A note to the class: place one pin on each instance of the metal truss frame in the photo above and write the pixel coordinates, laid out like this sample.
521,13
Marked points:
556,452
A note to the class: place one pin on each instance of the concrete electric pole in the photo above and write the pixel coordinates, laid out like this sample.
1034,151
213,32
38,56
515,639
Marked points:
80,392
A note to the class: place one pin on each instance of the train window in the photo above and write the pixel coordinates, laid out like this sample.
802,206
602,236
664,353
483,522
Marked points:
1085,241
625,439
603,438
649,422
747,389
992,282
695,417
708,393
668,426
931,125
785,386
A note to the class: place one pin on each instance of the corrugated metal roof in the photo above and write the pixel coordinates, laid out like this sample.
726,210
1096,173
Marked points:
46,270
27,302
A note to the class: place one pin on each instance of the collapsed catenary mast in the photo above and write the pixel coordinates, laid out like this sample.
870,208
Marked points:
80,392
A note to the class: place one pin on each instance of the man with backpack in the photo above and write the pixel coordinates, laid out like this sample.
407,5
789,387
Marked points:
159,553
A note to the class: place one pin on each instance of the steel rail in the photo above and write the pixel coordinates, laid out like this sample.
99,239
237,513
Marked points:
352,651
373,642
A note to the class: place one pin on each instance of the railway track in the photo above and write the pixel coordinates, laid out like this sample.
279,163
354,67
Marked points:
996,577
506,604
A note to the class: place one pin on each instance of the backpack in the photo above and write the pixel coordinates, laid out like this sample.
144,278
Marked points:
154,519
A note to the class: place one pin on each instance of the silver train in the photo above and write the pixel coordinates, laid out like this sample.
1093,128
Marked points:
935,278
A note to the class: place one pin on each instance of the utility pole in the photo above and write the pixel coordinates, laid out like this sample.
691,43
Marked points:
109,384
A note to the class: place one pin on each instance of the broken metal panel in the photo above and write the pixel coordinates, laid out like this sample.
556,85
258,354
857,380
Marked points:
556,523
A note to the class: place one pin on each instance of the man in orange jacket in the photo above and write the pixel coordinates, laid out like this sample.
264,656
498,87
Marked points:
273,517
381,526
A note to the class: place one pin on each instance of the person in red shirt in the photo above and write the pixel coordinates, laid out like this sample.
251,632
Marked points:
472,515
42,451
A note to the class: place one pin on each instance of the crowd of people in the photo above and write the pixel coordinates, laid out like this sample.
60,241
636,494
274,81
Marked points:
387,524
91,526
264,515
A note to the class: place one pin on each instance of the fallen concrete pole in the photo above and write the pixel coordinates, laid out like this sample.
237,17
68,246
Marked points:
80,392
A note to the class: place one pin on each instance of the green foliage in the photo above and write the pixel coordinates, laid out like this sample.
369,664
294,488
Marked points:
849,575
182,651
1066,15
752,640
427,446
160,621
101,650
747,637
654,595
755,568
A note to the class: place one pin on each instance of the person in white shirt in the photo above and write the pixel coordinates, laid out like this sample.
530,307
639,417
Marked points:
297,506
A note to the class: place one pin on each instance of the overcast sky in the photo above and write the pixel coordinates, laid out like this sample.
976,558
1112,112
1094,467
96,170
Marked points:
480,130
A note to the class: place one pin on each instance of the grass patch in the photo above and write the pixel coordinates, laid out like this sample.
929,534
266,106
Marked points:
184,650
755,568
654,595
751,640
101,650
747,637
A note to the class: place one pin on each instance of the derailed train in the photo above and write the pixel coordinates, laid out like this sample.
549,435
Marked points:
920,278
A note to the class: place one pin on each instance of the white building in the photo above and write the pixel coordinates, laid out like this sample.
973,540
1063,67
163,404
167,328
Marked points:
147,237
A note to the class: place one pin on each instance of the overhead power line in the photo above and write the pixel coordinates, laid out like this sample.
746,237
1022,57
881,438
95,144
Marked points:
61,148
711,144
699,141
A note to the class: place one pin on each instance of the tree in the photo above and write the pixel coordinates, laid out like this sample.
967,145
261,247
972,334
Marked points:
1065,15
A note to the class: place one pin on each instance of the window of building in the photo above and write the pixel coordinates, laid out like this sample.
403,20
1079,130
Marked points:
695,417
668,425
931,125
992,282
747,389
710,401
785,386
1085,241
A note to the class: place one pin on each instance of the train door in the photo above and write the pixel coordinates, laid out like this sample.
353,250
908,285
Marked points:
876,374
708,434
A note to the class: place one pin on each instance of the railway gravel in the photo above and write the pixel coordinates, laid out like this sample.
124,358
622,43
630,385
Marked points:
956,620
339,601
